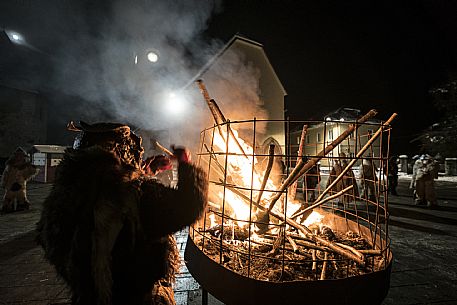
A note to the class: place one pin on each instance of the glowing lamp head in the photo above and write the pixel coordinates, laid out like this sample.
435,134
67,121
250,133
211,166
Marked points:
152,57
175,104
15,37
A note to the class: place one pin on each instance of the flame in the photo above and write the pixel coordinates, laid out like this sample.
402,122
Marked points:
240,208
313,218
212,219
241,169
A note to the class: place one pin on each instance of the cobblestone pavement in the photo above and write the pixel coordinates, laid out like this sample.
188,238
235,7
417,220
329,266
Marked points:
424,243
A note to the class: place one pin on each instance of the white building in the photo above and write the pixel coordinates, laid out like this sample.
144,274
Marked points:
243,82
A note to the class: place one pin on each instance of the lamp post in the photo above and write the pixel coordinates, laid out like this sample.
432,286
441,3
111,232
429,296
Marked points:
18,39
15,37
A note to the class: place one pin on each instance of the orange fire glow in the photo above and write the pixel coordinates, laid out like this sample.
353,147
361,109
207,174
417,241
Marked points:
242,169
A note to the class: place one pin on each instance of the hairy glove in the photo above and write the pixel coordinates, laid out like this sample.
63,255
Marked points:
156,164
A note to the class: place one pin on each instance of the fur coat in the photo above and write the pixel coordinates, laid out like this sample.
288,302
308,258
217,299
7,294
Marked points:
107,229
14,180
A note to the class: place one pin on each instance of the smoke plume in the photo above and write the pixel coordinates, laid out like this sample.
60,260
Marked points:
105,64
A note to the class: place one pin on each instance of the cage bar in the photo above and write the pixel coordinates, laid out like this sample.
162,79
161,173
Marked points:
342,243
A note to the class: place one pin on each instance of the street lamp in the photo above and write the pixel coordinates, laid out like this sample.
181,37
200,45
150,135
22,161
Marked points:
19,39
175,103
152,56
15,37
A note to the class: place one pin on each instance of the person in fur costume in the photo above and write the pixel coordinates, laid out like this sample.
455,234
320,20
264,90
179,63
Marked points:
107,225
17,172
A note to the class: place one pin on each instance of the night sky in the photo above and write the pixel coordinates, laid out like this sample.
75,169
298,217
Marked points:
328,54
360,54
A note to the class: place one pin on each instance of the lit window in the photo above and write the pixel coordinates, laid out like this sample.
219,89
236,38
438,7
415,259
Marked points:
330,134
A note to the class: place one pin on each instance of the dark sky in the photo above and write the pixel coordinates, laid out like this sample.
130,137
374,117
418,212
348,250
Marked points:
328,54
361,54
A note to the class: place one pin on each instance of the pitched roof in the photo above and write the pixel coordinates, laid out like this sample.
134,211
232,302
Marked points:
347,114
53,149
236,37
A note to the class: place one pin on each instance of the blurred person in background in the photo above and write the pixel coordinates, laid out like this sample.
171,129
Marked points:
17,172
392,176
368,179
425,171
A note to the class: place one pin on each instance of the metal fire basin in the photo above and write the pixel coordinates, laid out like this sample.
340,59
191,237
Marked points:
234,289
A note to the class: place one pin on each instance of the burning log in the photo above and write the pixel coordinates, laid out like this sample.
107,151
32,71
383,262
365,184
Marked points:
293,188
350,249
213,111
314,266
324,266
301,168
278,241
263,256
212,156
358,258
164,149
218,116
266,175
319,201
326,199
292,243
371,252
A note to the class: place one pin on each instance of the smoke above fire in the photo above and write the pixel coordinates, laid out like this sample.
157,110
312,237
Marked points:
105,66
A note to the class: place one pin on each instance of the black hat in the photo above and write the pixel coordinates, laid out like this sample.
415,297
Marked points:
115,137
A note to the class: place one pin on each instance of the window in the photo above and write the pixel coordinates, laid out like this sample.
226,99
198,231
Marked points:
298,140
330,134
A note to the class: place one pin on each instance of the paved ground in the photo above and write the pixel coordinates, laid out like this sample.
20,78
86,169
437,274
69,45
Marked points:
424,244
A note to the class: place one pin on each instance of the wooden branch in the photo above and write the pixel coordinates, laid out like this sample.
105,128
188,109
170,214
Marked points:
371,252
303,168
304,230
213,111
290,179
324,266
293,188
164,149
266,175
317,239
308,245
292,243
352,249
326,199
278,241
213,156
218,116
318,201
313,253
230,247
